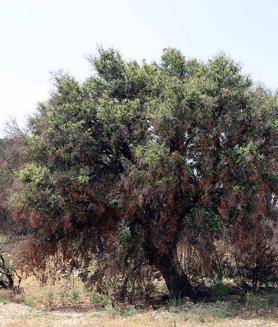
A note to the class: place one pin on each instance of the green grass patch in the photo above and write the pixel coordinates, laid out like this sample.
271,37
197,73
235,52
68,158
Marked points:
129,312
220,290
4,301
29,301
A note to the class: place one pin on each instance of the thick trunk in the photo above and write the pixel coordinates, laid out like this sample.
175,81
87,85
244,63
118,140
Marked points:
177,282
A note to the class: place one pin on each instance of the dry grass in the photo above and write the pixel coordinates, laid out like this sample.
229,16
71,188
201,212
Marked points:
38,312
69,304
13,315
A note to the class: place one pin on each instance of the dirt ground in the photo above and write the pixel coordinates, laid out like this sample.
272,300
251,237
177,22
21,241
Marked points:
69,304
14,315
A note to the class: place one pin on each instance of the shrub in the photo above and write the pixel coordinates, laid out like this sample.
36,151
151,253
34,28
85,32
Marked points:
75,296
100,300
256,261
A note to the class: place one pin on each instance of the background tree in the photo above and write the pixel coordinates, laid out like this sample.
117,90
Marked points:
140,157
12,157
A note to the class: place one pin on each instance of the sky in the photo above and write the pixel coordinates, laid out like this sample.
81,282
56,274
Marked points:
38,37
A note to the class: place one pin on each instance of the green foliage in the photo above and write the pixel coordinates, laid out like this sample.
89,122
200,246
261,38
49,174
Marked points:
99,300
208,215
75,296
29,301
50,297
155,157
173,62
259,303
34,174
129,312
220,290
124,236
4,301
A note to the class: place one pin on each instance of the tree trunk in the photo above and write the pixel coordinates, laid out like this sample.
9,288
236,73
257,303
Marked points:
176,281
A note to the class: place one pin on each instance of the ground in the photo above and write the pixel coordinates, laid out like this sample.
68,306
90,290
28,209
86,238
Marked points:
67,303
14,315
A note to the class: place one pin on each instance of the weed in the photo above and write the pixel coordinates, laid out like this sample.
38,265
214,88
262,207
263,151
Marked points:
129,312
111,310
75,296
50,297
220,290
258,303
100,300
178,305
4,301
29,301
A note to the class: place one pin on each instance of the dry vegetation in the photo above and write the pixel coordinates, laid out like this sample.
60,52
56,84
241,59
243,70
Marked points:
68,303
254,313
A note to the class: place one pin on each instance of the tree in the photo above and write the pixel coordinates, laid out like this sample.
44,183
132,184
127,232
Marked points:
12,151
12,157
140,157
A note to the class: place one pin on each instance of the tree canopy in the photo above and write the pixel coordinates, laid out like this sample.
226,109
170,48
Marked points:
140,157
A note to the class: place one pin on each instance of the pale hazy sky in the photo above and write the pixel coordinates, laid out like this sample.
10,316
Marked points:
40,36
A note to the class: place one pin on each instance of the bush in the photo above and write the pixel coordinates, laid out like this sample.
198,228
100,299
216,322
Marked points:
100,300
258,265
